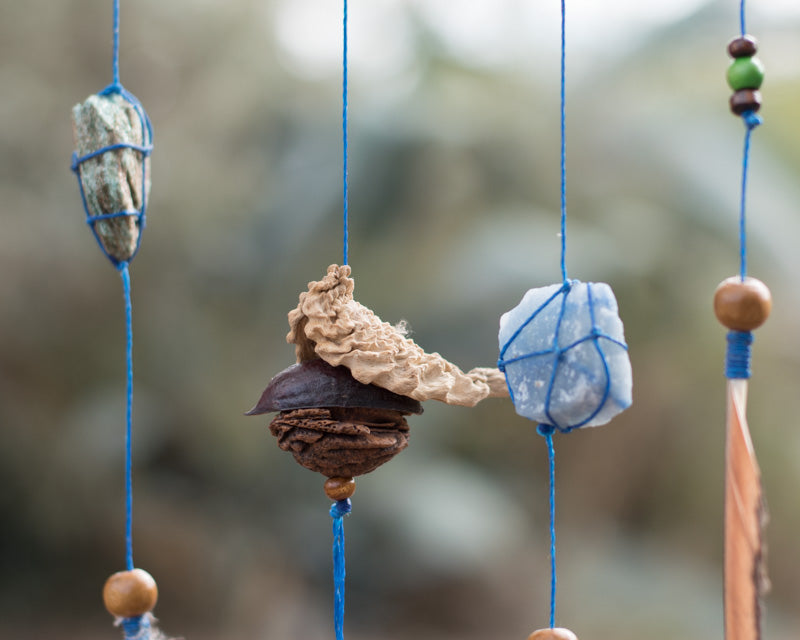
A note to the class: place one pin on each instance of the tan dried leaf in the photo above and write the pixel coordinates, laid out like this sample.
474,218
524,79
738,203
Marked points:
329,324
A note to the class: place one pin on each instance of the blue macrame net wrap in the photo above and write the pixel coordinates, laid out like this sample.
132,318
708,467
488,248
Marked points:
564,355
145,150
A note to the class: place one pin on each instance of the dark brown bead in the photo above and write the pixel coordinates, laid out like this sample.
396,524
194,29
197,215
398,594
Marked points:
553,634
745,100
130,593
743,47
340,488
742,305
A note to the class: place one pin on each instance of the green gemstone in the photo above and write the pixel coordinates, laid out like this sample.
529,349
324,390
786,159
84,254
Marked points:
745,73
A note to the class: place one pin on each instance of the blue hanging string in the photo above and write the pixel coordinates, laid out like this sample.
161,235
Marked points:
751,121
345,179
115,48
742,25
547,431
338,511
126,290
564,141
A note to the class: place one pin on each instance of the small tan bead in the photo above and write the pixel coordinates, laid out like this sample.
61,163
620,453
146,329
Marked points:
130,593
553,634
742,305
340,488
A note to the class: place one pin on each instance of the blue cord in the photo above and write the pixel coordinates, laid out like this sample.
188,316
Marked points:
751,121
345,180
547,431
126,289
742,25
563,142
115,52
737,357
136,628
338,511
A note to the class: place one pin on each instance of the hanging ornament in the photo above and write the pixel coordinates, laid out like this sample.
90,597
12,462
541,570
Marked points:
742,304
341,410
564,356
113,139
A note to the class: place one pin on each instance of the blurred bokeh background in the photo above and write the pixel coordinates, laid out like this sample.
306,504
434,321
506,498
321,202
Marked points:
454,178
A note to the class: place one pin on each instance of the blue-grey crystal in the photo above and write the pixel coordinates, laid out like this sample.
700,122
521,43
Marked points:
578,331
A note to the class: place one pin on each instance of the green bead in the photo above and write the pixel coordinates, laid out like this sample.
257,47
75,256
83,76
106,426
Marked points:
745,73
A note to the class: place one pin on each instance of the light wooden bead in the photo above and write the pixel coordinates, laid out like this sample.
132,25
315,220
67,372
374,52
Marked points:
130,593
742,305
340,488
553,634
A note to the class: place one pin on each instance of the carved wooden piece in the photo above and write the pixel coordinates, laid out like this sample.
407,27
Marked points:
112,181
745,518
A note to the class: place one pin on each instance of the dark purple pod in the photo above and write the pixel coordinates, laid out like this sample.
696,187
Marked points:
315,384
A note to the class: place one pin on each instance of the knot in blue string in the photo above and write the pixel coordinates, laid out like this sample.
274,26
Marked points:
144,149
737,358
751,120
341,508
546,430
136,628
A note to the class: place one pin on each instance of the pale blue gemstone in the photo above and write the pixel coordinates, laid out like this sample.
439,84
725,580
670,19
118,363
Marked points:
592,381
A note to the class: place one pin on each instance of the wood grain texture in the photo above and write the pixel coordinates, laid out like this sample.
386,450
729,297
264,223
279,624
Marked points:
745,519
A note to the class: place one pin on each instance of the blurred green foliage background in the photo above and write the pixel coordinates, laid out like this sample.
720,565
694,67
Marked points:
454,177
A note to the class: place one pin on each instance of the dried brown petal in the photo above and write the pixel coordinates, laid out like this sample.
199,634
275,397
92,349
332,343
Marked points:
315,383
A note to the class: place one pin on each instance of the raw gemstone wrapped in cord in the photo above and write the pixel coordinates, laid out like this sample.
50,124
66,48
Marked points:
113,139
564,355
334,424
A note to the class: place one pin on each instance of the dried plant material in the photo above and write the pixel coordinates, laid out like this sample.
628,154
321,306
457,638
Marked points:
329,324
112,181
745,518
315,383
341,442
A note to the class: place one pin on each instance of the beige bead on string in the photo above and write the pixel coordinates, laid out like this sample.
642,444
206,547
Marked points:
127,594
557,633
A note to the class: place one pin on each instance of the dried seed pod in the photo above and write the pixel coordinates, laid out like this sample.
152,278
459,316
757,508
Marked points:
115,181
315,383
332,423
